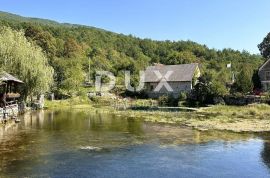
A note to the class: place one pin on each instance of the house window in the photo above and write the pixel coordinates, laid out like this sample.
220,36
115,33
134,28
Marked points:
267,75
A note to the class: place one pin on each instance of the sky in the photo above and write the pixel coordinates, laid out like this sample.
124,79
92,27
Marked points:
236,24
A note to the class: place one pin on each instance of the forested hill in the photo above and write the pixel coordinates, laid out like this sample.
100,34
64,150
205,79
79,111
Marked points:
70,46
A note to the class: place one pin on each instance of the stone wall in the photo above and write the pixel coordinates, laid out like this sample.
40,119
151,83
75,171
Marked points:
9,112
177,87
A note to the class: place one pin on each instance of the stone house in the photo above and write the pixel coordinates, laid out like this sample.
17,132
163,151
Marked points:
264,74
170,79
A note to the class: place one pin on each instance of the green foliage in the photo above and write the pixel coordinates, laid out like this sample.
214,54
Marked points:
182,96
167,100
184,57
244,82
202,91
69,48
95,99
208,87
256,80
264,47
42,38
219,88
163,100
172,101
69,76
25,60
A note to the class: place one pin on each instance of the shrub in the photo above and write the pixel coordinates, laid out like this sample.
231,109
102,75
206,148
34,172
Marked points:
95,99
168,101
163,100
244,83
172,101
202,92
182,96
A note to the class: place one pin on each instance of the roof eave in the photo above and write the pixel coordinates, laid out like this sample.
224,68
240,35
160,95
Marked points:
264,64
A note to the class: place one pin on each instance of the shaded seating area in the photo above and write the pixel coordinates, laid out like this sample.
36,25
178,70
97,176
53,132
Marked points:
9,95
9,87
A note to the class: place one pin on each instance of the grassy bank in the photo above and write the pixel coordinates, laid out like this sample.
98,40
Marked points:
251,118
74,103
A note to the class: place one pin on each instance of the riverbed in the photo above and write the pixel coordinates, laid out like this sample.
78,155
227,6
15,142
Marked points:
70,143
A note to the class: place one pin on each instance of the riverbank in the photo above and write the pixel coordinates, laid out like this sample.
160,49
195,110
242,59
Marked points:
251,118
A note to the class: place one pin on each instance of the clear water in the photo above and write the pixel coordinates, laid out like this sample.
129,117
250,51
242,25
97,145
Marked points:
76,144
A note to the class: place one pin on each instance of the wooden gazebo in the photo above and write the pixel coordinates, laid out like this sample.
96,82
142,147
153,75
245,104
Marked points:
9,85
8,96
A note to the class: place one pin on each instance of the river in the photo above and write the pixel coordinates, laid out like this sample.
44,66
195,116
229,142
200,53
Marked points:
79,144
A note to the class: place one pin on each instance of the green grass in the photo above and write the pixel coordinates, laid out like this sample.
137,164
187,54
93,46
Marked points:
248,112
76,102
251,118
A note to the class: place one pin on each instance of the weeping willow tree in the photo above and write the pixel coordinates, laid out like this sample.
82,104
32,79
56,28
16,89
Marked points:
25,60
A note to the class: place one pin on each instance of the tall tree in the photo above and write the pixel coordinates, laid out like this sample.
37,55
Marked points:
25,60
69,77
244,83
264,46
71,48
42,38
183,57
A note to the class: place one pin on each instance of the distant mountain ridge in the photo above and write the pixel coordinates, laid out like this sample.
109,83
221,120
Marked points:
18,18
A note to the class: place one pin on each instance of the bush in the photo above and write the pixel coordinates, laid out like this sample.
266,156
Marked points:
163,100
95,99
267,95
182,96
137,95
202,92
244,83
172,101
167,101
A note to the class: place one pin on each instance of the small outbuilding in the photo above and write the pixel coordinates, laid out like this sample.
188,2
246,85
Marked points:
9,94
9,85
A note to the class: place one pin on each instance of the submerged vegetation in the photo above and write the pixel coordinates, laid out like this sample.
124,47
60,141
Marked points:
251,118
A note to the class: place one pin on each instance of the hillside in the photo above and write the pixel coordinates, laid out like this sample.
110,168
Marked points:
70,46
17,18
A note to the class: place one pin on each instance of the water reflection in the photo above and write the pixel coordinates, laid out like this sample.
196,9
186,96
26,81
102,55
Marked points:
265,154
47,140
